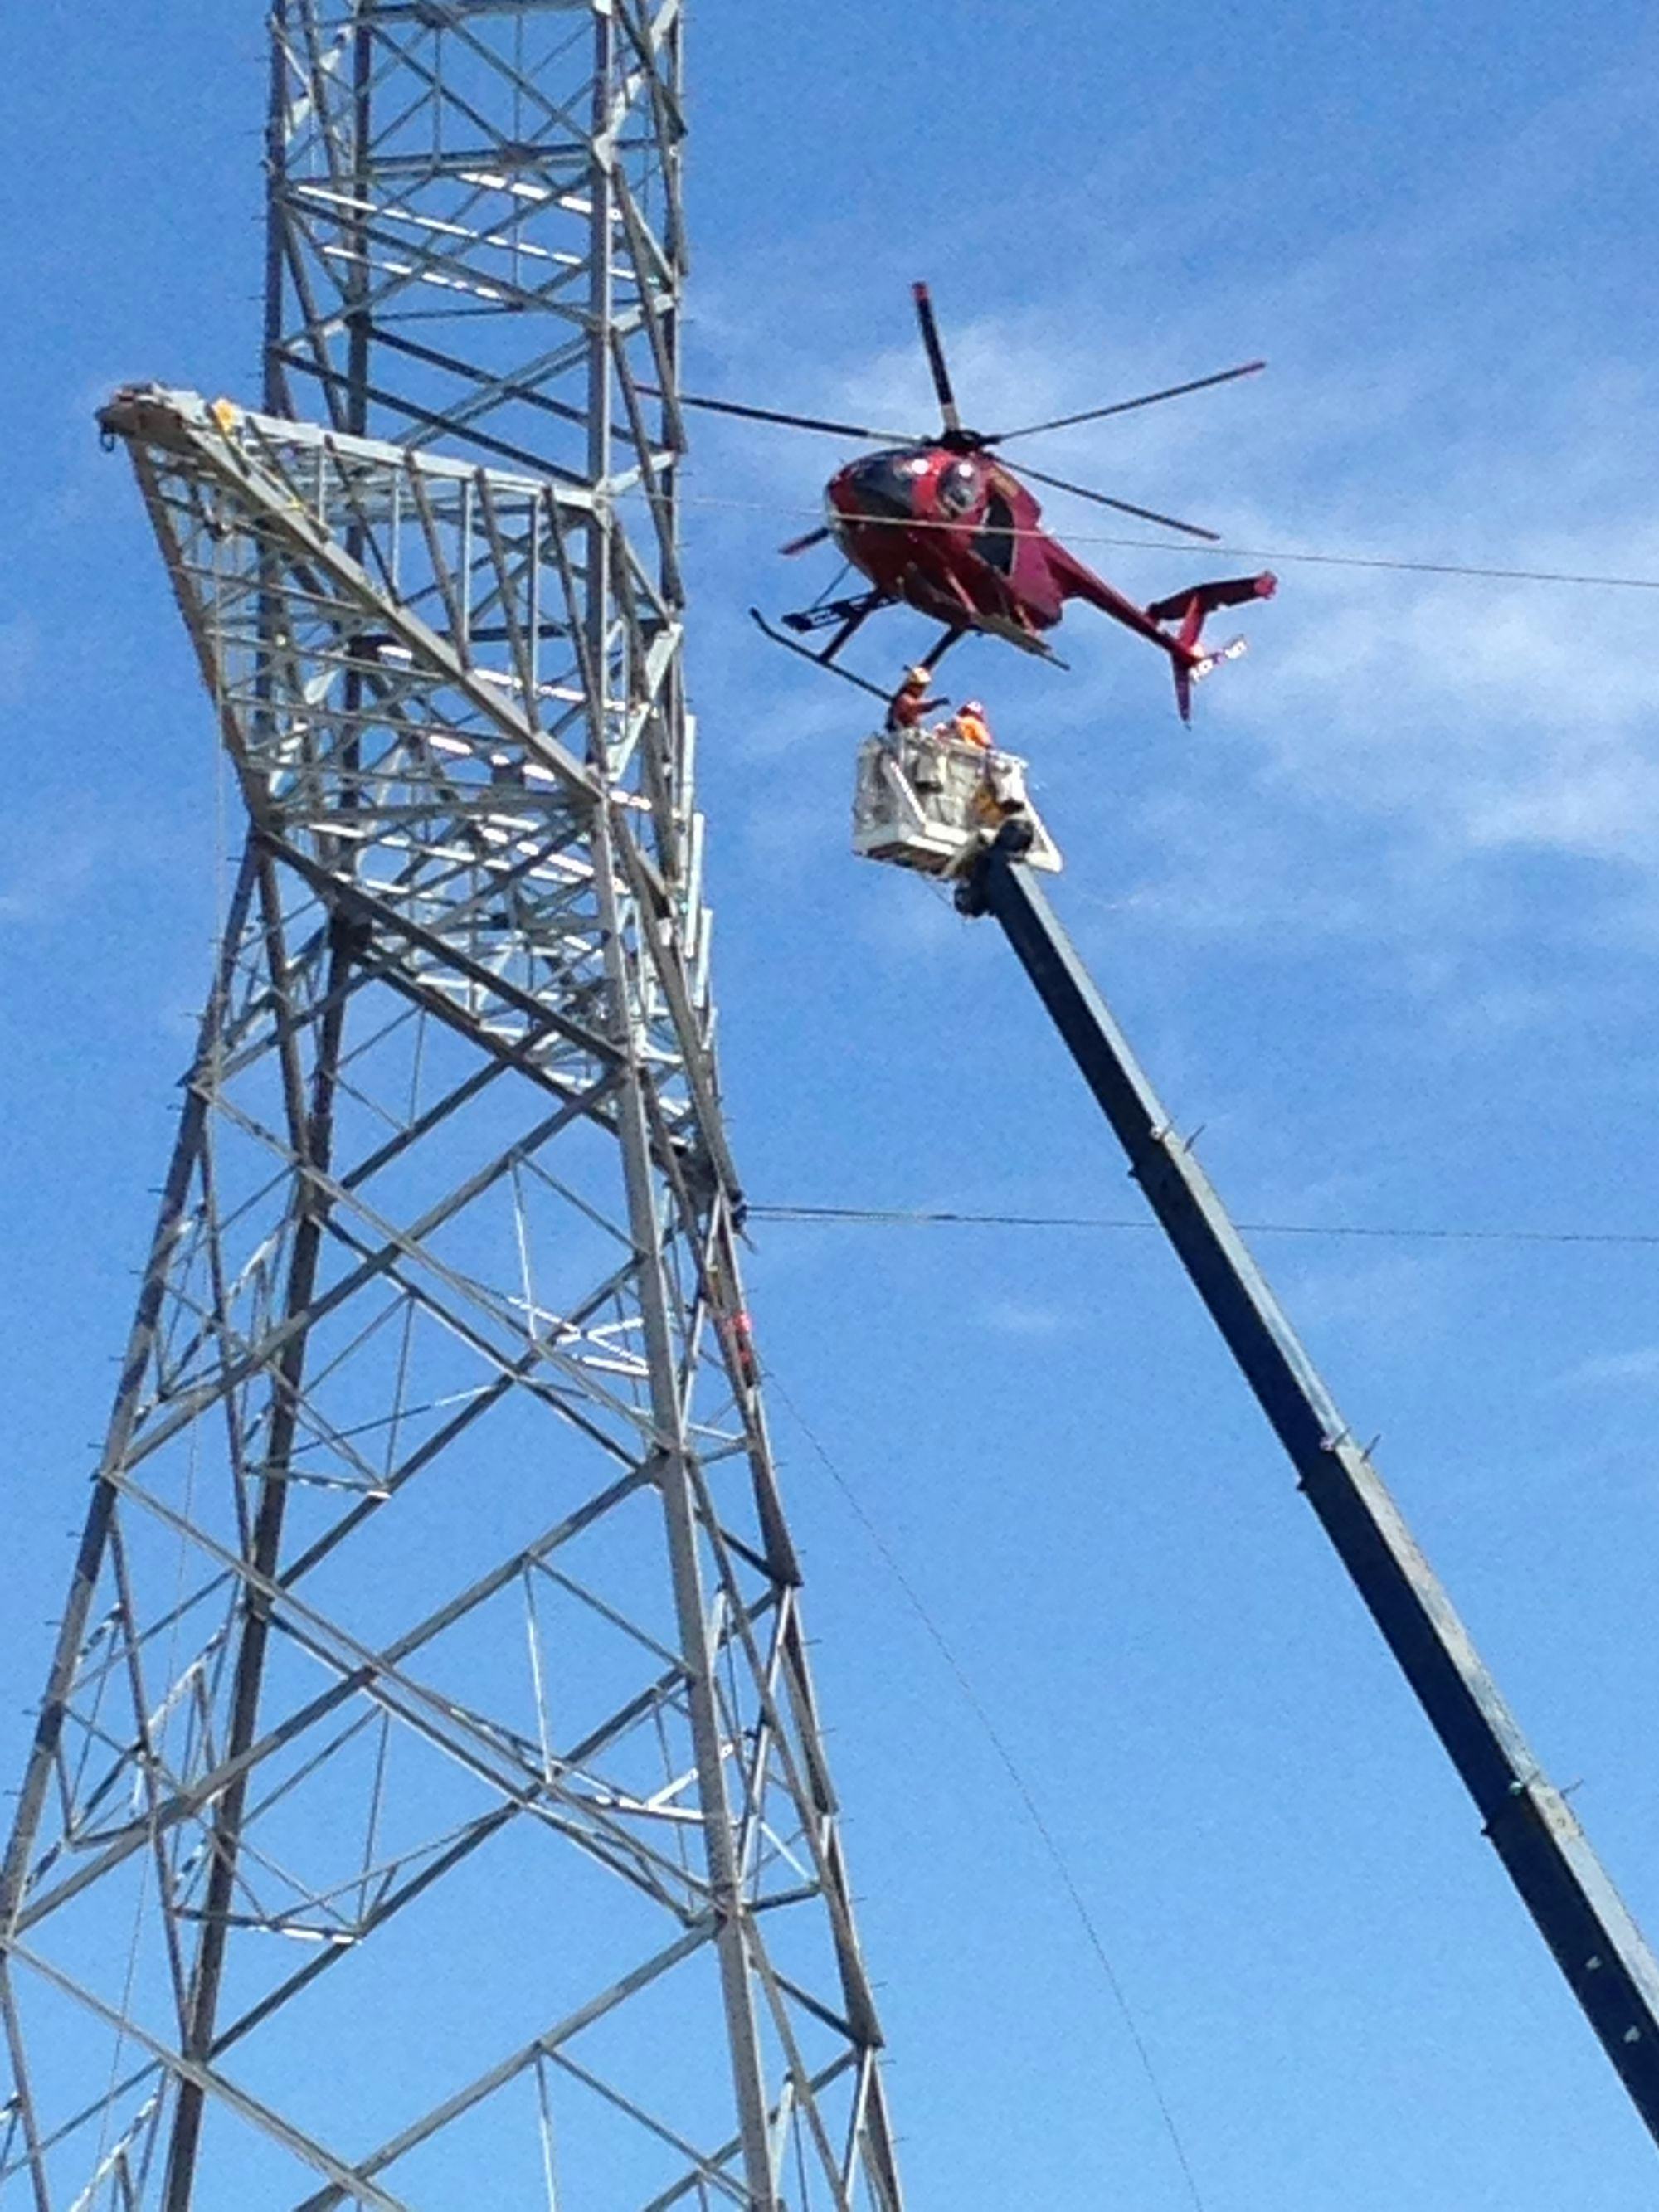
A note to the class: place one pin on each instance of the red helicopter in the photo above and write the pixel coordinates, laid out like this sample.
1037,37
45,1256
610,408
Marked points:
943,526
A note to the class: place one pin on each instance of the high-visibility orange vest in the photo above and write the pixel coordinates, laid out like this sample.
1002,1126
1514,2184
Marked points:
972,731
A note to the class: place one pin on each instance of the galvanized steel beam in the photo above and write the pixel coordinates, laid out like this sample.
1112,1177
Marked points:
433,1666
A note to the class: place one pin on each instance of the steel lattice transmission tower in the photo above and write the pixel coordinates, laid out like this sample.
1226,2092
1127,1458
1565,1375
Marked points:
428,1807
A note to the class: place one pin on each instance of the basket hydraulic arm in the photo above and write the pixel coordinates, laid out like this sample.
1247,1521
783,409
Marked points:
1596,1942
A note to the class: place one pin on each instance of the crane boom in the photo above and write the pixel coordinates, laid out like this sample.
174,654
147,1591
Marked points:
1545,1851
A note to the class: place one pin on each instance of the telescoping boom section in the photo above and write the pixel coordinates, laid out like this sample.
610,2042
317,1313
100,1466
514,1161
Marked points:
1547,1856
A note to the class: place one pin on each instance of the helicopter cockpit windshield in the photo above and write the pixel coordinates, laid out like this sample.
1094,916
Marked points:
959,487
884,484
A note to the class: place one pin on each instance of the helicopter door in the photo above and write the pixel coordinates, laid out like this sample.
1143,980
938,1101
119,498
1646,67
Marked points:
994,542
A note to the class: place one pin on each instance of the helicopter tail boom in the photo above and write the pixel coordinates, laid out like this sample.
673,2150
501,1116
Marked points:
1187,610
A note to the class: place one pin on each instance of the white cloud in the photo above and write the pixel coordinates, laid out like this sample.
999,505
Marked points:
1393,741
1390,1303
1027,1319
48,875
1638,1366
20,655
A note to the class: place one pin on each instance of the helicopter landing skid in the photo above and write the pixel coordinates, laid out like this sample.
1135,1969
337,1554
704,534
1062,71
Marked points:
946,639
817,659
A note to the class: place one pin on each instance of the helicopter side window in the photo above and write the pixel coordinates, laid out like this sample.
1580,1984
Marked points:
995,542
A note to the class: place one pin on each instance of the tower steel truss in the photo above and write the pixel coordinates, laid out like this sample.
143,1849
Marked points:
427,1805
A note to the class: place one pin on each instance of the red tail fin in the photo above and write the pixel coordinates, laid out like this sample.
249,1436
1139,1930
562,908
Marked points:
1189,607
1200,600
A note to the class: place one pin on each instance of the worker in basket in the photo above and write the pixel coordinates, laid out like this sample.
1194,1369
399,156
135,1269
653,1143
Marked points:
970,727
909,704
1001,790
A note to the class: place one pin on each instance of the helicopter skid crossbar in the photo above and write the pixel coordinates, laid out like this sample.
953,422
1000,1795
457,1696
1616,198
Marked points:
832,614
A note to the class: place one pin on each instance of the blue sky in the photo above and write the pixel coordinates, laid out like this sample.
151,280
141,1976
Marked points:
1385,923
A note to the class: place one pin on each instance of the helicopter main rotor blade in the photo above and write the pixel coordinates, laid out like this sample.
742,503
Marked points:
791,422
1126,406
1123,506
947,397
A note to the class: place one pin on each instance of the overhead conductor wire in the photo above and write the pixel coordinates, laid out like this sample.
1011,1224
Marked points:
1022,1787
877,1217
893,1217
1399,563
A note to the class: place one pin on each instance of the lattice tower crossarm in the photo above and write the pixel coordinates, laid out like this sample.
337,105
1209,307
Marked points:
428,1805
485,915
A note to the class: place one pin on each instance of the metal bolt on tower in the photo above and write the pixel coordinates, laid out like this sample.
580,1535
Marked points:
428,1806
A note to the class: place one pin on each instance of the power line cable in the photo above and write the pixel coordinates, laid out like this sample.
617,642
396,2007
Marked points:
1398,563
877,1217
1022,1787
